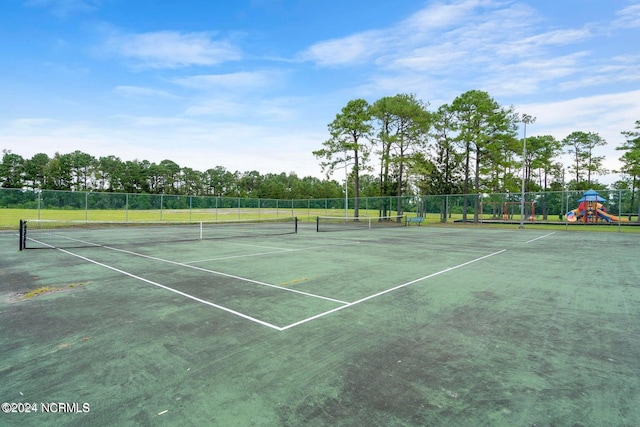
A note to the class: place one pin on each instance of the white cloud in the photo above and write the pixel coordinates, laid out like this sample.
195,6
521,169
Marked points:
614,70
439,16
558,37
154,122
171,49
246,110
618,109
430,58
240,80
196,144
354,49
216,108
459,29
538,44
628,17
530,76
423,26
608,115
506,48
29,123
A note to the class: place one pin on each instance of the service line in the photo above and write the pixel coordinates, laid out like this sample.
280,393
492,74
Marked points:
541,237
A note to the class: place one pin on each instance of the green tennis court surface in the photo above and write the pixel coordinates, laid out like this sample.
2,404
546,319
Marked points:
396,326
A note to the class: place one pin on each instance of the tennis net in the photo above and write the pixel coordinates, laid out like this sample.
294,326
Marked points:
336,223
75,234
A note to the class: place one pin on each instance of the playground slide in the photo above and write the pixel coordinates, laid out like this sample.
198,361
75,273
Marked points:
608,217
575,215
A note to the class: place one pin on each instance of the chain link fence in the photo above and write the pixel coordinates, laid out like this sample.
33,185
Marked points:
542,207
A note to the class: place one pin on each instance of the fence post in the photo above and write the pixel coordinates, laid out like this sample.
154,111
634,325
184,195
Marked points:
566,220
619,210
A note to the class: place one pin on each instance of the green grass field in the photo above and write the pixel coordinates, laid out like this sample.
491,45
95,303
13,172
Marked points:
9,218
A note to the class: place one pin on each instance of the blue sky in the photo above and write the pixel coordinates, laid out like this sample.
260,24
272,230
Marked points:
252,84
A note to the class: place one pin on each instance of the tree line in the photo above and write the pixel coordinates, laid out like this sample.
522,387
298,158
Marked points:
80,171
469,146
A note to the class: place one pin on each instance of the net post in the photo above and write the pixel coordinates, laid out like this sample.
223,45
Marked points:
295,218
200,230
317,224
21,234
24,234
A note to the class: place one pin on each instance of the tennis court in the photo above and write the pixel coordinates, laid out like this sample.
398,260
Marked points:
453,326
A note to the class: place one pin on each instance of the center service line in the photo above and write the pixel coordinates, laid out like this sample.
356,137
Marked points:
278,251
219,273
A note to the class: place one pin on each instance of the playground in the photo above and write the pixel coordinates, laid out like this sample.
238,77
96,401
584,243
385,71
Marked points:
591,210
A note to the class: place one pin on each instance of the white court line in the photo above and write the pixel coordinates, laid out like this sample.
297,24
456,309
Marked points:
219,273
236,256
351,304
254,246
261,322
269,253
541,237
184,294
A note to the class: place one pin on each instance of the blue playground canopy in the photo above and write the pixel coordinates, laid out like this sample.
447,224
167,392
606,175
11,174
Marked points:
591,196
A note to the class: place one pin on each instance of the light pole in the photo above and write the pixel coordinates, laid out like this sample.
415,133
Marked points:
346,186
526,119
346,189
